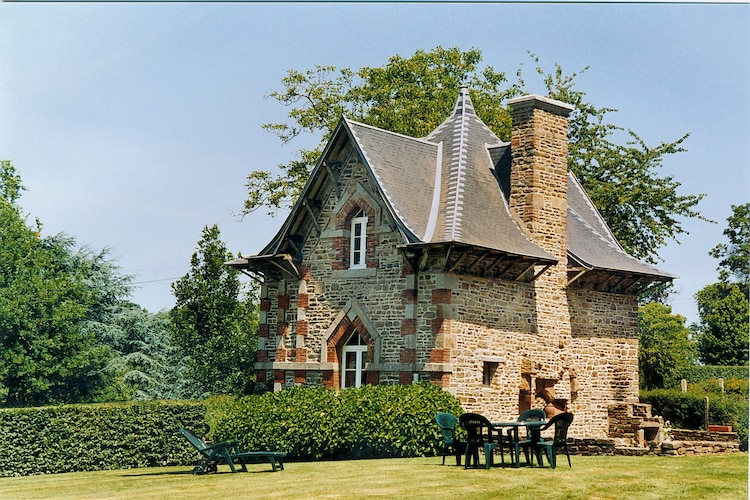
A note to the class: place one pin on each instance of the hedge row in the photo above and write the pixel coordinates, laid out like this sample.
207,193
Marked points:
96,437
307,423
697,373
687,410
317,423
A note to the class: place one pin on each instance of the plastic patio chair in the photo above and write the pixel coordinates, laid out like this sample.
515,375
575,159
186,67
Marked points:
532,434
479,435
561,422
447,423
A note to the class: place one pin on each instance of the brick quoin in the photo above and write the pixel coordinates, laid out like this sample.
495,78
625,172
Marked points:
440,355
303,300
280,355
408,326
279,376
328,379
304,273
371,378
408,296
263,330
282,329
302,327
405,378
440,379
408,356
262,355
265,305
300,376
441,325
283,301
441,296
260,376
300,354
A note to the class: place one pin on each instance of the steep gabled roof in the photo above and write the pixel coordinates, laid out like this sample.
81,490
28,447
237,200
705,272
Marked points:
443,188
451,188
404,168
590,242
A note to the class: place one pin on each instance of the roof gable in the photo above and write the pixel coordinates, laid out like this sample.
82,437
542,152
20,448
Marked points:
452,187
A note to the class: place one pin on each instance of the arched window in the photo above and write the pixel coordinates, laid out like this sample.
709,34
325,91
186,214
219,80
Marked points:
353,357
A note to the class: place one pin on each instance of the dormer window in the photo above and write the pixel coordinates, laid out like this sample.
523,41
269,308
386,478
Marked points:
358,248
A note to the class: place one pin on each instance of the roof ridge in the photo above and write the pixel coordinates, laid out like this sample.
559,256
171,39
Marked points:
463,110
419,139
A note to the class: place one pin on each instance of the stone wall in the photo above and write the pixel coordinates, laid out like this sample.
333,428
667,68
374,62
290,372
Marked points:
299,317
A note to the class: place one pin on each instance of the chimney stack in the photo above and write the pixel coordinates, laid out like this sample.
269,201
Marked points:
539,168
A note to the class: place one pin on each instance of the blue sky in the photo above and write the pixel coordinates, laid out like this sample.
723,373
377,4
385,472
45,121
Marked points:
135,125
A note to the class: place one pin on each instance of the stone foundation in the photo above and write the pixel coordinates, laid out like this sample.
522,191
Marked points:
689,443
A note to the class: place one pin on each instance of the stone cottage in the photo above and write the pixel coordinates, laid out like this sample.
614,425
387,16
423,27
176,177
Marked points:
475,264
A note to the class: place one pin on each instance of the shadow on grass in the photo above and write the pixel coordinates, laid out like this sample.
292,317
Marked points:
190,473
162,473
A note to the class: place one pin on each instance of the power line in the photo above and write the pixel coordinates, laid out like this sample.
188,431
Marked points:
153,281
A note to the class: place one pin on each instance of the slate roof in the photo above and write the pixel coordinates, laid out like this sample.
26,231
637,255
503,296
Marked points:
591,243
452,187
443,187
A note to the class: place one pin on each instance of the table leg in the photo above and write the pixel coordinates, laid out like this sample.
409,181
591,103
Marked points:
517,463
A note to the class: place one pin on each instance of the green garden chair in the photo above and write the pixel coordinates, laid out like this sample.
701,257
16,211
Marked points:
447,423
532,434
561,422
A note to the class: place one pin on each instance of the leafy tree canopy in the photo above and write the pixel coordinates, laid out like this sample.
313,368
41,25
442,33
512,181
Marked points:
52,297
414,95
723,306
734,263
144,365
665,346
723,327
214,330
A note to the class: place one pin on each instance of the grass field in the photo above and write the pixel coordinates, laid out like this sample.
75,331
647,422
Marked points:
712,477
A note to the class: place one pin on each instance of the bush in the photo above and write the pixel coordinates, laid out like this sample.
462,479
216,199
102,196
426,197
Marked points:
687,410
96,437
310,423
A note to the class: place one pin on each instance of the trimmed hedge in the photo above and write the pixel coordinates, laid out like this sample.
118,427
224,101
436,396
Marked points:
96,437
698,373
310,423
687,410
307,423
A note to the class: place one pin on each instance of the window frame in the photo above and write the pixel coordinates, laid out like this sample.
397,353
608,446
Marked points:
358,243
359,350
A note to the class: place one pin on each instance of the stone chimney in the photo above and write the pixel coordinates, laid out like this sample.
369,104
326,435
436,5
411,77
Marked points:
538,174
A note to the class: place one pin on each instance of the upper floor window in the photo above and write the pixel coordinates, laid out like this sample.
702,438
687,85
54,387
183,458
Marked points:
358,243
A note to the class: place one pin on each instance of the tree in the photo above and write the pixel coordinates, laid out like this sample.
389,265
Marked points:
46,353
665,346
144,365
213,329
413,95
408,95
723,325
734,265
723,306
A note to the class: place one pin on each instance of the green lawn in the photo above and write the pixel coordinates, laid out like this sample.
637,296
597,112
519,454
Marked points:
715,477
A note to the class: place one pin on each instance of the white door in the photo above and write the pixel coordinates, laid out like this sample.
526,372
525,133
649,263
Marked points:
353,362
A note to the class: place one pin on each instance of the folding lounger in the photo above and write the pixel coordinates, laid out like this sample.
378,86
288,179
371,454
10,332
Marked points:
228,452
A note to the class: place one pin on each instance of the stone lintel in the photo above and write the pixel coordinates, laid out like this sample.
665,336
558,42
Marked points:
438,367
294,365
